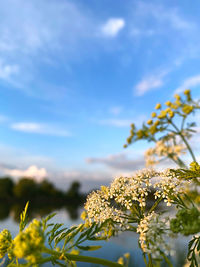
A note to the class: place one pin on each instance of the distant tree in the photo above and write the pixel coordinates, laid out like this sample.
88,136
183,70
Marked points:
4,210
6,187
26,189
46,188
73,192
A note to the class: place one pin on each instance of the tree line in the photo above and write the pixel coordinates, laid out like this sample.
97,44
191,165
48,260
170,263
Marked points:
44,197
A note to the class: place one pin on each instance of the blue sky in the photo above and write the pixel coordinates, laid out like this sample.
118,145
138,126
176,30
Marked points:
75,74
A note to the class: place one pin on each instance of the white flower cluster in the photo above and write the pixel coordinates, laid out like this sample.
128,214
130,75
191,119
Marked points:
169,187
125,190
163,149
99,209
154,234
115,203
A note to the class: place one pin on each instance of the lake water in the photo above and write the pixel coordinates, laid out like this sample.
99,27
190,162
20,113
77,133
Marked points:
112,250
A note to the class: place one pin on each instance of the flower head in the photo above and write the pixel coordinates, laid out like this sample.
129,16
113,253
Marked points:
154,232
5,242
28,243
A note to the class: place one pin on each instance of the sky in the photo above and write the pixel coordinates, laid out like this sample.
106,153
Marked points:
75,74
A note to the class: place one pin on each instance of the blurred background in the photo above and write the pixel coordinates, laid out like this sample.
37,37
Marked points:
73,76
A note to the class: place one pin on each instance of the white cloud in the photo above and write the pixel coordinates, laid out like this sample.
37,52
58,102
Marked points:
33,172
151,82
188,83
147,85
112,27
31,127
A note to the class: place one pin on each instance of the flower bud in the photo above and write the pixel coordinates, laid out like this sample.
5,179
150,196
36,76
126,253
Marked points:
153,114
158,106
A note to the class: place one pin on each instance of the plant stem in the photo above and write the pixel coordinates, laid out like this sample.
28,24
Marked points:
150,261
155,204
167,260
179,162
145,260
184,140
81,258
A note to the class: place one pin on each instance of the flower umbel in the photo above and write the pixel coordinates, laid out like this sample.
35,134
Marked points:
153,235
28,243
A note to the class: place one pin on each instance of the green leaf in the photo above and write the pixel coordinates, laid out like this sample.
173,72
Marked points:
23,218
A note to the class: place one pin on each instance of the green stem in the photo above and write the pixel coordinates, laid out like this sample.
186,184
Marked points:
167,260
81,258
150,261
179,162
155,204
184,140
41,261
183,121
145,260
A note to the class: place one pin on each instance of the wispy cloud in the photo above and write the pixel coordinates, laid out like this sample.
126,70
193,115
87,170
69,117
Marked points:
166,26
8,70
171,17
38,128
148,84
112,27
188,83
19,158
151,82
118,161
40,27
41,35
161,16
